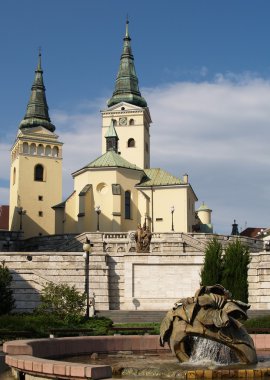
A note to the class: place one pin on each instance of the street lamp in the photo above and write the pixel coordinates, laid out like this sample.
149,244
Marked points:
98,211
172,211
87,251
21,212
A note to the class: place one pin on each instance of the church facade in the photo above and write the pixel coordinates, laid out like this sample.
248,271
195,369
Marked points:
115,192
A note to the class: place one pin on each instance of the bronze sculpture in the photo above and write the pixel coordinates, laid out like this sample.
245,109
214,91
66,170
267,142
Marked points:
143,238
210,314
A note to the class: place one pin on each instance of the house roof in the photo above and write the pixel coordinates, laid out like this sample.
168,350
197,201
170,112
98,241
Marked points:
158,177
252,232
111,159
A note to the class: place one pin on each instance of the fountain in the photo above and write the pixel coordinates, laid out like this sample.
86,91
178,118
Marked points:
204,332
211,314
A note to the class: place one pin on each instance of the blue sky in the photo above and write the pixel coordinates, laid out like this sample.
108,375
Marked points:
203,67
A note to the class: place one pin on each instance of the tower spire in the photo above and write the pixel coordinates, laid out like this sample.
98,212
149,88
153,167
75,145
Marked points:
112,139
37,113
126,85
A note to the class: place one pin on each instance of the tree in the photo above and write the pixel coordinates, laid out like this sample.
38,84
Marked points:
235,270
6,294
65,301
211,272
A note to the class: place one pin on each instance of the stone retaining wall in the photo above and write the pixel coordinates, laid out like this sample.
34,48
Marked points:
125,280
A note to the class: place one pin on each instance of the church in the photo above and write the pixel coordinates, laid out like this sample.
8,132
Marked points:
117,191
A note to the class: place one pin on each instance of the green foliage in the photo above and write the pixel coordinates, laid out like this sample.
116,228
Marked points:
6,294
211,272
39,325
235,270
259,322
62,300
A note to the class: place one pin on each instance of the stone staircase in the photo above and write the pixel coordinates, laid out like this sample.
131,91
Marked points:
136,316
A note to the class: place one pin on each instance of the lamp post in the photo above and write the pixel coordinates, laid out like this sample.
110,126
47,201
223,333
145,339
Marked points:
172,211
21,212
98,211
87,251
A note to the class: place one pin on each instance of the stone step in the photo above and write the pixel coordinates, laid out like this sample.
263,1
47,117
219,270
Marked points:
123,316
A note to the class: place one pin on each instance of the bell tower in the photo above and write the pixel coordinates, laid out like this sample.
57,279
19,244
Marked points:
36,167
128,111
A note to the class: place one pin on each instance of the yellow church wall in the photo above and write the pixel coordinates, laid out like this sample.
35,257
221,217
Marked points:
139,131
161,199
191,199
70,219
112,216
35,197
128,179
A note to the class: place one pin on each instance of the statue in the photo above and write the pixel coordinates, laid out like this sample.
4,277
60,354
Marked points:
92,304
143,238
210,314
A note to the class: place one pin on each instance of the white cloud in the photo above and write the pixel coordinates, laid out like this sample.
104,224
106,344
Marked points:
218,131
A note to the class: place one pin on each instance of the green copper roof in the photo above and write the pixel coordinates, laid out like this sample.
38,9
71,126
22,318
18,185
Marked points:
111,132
37,113
158,177
204,207
111,159
126,86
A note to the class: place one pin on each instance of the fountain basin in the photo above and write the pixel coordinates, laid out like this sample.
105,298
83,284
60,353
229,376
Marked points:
35,358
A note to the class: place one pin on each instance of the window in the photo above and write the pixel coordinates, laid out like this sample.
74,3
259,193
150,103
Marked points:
40,213
48,150
131,143
114,122
33,149
55,151
14,176
25,147
131,122
127,205
116,189
39,173
40,197
146,147
40,150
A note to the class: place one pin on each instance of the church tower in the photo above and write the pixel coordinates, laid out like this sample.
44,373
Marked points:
36,167
128,112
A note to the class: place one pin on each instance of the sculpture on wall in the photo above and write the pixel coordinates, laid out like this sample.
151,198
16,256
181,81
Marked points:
210,314
143,238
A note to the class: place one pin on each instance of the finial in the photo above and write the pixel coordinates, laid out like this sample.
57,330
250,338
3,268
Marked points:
127,22
39,59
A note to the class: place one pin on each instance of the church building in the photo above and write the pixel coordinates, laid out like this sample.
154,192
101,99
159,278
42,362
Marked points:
115,192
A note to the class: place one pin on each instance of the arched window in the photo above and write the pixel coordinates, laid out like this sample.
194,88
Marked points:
48,150
33,149
40,150
39,173
114,122
25,147
55,151
14,176
131,122
127,205
131,143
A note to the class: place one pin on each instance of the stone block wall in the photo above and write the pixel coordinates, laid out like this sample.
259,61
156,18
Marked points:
126,280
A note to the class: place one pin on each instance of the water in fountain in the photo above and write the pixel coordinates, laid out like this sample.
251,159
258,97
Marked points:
205,351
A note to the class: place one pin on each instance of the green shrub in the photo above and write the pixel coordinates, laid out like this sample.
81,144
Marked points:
235,270
211,272
39,325
6,294
63,301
